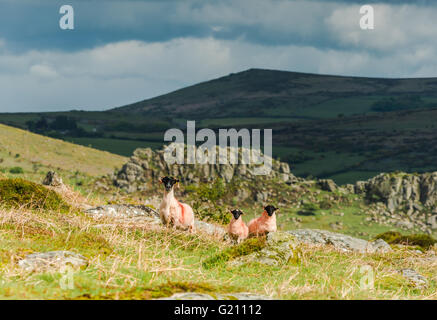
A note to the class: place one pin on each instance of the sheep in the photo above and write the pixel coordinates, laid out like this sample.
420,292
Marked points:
264,224
237,229
172,212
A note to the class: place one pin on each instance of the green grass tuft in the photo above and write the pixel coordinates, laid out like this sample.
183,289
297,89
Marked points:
243,249
20,193
16,170
422,240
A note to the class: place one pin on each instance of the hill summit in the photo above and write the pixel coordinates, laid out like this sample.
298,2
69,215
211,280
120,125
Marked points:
272,93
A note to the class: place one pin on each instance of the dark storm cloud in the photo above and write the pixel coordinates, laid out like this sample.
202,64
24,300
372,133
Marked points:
29,24
124,51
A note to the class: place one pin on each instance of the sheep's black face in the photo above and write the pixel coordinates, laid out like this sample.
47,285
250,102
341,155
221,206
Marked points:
169,182
270,210
236,213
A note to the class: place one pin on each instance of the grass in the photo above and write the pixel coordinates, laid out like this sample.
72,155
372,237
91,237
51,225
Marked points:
422,240
116,146
26,148
141,261
136,260
245,248
145,264
21,193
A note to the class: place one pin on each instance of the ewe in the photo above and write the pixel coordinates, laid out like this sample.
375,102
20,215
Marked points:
264,224
171,211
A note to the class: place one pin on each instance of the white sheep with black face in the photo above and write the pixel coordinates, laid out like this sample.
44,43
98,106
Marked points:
172,212
264,224
237,229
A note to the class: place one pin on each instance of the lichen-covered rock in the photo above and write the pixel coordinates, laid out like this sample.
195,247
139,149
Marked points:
327,185
416,279
215,296
339,241
432,221
280,248
405,224
380,245
209,228
145,167
146,214
122,210
412,192
52,179
52,260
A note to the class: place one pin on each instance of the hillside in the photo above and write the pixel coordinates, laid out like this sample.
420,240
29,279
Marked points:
271,93
35,154
63,251
57,244
343,128
390,201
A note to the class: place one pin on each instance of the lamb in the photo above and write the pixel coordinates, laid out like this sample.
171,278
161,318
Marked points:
172,212
237,228
266,223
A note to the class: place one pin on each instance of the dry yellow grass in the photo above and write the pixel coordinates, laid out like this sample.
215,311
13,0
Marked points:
136,259
143,261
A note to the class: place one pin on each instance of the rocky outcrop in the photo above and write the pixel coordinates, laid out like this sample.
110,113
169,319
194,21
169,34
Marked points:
210,229
122,210
129,213
52,179
339,241
146,166
409,199
327,185
52,260
282,247
412,192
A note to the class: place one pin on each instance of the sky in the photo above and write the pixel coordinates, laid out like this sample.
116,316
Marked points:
125,51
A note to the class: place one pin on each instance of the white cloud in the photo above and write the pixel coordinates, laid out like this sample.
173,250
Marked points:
124,72
43,71
397,27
